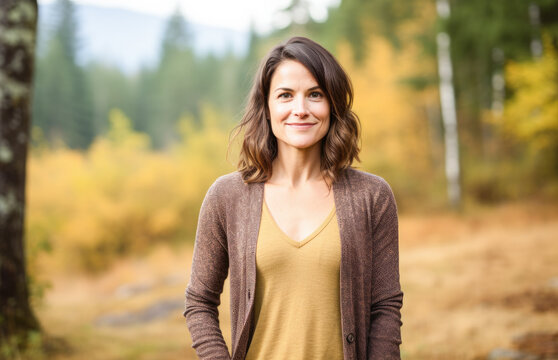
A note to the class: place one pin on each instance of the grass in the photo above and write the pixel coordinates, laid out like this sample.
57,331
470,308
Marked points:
472,282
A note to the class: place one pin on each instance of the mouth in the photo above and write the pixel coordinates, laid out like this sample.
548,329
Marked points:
300,125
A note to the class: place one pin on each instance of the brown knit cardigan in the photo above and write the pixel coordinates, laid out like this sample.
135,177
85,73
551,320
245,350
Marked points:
227,232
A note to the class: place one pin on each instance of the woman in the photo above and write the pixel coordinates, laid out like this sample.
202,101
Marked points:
310,243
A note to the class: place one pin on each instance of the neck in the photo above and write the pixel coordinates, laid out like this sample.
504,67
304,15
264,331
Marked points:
294,167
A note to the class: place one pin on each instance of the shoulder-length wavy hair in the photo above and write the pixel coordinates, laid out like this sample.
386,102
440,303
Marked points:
341,144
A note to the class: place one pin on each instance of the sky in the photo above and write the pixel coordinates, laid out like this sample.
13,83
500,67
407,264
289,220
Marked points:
237,15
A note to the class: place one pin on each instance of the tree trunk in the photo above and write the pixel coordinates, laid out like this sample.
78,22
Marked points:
535,20
18,23
449,114
498,83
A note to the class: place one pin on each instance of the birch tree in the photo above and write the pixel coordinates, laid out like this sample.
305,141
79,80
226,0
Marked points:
447,101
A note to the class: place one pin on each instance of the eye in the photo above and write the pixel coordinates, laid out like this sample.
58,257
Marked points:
284,95
316,95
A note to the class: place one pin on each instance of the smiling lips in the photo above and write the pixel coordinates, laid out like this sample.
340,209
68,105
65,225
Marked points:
301,125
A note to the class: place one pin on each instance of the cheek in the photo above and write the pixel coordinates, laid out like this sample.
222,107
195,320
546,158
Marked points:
326,116
279,110
325,127
322,110
275,125
277,115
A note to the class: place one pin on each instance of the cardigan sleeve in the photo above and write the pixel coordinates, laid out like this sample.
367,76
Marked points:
386,297
209,271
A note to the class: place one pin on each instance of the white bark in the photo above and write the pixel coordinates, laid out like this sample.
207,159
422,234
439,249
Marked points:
535,19
498,83
449,114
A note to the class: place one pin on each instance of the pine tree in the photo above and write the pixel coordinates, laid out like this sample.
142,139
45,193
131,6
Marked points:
177,85
63,105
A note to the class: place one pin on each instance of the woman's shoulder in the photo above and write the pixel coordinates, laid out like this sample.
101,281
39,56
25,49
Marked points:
370,189
359,179
229,186
228,180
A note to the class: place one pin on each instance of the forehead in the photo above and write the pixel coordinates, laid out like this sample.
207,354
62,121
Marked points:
293,72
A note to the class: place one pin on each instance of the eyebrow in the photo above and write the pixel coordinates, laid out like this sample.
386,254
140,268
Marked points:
288,89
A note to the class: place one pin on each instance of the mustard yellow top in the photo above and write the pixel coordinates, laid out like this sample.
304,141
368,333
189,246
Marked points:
297,313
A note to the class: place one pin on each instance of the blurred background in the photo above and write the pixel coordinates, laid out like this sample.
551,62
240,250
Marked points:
132,106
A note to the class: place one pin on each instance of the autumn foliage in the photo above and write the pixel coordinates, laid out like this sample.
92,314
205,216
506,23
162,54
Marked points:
120,196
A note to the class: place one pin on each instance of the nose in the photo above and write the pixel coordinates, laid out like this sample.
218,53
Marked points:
300,108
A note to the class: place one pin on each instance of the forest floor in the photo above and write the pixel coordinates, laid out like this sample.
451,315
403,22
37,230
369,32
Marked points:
473,283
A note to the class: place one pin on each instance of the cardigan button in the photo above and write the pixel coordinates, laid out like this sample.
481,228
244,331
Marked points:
350,338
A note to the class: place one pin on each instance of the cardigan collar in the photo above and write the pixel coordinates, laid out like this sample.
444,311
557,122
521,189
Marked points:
341,194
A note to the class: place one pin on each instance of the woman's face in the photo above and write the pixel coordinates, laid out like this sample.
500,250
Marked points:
298,109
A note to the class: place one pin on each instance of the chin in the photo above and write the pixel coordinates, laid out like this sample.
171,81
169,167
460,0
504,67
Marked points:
302,144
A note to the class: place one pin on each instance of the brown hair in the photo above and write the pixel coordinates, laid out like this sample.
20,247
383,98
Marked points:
340,145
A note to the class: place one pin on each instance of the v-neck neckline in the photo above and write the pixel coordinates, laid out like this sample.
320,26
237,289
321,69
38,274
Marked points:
312,235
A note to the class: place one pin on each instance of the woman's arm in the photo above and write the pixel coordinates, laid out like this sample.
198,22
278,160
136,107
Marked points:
209,270
387,298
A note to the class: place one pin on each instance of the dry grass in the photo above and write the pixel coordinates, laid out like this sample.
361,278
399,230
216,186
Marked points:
460,273
472,283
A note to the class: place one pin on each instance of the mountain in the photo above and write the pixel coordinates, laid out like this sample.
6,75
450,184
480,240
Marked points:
130,40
